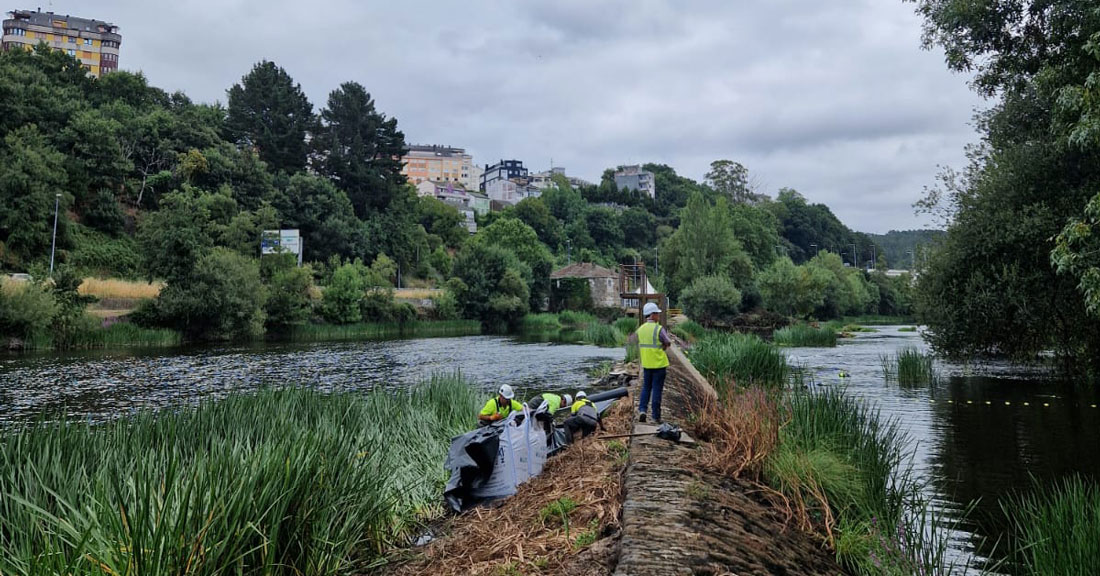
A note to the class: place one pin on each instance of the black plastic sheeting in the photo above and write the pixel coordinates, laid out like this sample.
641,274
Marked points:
473,454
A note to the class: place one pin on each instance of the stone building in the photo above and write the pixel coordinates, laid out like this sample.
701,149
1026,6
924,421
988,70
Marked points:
602,283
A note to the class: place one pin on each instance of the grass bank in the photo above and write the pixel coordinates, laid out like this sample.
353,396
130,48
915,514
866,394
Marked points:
909,367
91,334
372,331
278,482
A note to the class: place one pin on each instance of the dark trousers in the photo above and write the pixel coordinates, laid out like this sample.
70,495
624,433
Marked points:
653,384
581,424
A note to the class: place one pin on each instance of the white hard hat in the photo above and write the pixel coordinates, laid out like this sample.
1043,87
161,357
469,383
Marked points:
507,392
651,308
581,394
567,399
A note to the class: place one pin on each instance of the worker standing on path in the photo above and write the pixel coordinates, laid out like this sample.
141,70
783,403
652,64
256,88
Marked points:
584,418
500,407
653,341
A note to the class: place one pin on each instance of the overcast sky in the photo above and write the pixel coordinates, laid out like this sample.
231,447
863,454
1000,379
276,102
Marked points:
835,99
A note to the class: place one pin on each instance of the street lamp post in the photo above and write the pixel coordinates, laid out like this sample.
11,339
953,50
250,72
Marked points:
53,244
855,258
814,246
656,271
912,259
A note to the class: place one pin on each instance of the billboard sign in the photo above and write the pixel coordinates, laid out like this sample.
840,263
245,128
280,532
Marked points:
280,241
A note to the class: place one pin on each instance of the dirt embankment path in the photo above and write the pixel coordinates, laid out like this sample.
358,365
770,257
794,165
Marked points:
643,507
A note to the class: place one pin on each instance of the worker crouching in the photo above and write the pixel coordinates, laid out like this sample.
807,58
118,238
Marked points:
584,418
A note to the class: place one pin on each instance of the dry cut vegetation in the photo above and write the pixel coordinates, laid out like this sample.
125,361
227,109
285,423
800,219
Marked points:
114,288
565,521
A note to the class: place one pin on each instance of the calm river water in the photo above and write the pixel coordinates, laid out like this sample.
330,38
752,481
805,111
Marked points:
104,384
983,433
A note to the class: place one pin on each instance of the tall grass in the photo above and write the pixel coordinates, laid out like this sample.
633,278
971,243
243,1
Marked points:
847,474
1056,529
603,335
541,322
626,325
695,330
89,333
729,360
574,318
278,482
115,288
802,335
909,367
371,331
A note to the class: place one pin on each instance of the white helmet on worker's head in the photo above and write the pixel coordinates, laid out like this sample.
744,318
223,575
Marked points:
507,392
566,400
650,308
581,394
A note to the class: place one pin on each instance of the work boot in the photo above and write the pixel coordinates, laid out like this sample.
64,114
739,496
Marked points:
641,417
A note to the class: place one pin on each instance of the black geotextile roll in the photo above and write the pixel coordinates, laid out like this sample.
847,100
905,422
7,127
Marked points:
470,462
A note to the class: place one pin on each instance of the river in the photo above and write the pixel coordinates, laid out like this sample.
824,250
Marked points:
103,384
981,434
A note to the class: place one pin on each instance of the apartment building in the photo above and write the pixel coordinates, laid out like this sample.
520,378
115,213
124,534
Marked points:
94,42
440,164
504,170
543,180
634,178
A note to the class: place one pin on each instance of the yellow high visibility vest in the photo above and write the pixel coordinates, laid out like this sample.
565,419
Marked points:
649,346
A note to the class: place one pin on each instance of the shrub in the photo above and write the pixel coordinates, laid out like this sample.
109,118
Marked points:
340,302
289,299
26,309
403,312
444,307
711,299
377,305
221,299
491,285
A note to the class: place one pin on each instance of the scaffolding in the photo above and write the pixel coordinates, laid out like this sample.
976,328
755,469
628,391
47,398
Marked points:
634,291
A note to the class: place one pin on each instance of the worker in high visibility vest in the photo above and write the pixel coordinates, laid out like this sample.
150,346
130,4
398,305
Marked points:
499,407
653,341
544,407
584,418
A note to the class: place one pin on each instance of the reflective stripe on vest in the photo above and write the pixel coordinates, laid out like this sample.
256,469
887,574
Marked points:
650,349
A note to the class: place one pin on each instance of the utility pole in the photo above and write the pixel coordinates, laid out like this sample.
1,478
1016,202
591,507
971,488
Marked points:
655,257
874,257
53,245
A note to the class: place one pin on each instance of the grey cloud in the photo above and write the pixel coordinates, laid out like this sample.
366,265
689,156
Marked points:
835,99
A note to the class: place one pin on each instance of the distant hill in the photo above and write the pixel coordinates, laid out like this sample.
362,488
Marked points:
898,243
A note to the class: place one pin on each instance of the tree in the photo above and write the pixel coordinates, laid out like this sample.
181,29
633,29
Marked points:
758,231
173,239
325,218
221,298
990,287
711,299
792,290
521,240
270,113
31,173
535,213
442,220
730,179
703,245
490,285
603,226
639,229
340,304
361,149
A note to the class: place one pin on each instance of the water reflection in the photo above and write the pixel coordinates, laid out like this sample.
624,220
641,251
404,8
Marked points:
98,385
968,443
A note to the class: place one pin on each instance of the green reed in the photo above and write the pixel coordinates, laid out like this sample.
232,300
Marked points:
803,335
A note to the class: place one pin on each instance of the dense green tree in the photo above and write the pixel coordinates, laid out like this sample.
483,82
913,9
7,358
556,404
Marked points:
31,173
520,239
289,302
710,300
442,220
269,112
96,160
102,212
703,245
361,149
26,310
793,290
220,298
173,238
603,226
343,294
324,217
490,285
43,87
758,231
990,287
535,213
242,170
845,293
639,229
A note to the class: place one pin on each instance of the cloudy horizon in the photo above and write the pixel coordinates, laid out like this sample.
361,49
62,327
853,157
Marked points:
836,100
